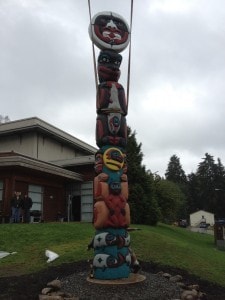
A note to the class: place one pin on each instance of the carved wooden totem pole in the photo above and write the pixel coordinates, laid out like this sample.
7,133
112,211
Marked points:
112,255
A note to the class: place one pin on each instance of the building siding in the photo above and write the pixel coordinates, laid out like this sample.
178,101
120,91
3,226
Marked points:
22,143
195,218
29,151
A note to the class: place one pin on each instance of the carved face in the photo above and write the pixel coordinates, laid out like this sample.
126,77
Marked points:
109,30
108,66
98,162
113,159
110,58
114,122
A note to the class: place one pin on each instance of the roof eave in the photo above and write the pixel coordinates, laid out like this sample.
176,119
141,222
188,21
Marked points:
21,161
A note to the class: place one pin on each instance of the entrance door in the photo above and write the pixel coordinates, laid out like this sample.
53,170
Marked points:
76,206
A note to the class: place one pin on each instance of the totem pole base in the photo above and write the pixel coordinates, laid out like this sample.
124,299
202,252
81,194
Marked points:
133,278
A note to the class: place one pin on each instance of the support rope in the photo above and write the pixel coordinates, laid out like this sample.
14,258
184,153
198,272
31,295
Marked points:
129,57
93,49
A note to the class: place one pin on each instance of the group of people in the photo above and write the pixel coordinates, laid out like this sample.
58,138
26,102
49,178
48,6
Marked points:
20,207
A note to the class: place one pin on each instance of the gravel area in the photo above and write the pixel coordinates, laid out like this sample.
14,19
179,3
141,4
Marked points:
154,287
74,280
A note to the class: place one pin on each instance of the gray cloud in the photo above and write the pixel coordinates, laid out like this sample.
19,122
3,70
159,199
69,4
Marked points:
176,103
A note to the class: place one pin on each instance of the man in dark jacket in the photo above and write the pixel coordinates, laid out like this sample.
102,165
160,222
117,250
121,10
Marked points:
16,204
26,205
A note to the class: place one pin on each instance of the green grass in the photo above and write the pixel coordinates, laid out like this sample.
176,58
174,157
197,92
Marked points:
163,244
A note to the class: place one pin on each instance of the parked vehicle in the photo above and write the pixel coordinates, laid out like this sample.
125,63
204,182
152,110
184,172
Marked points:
183,223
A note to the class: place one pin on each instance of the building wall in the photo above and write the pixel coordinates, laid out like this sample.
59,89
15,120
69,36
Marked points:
195,218
22,143
87,171
38,145
54,197
50,149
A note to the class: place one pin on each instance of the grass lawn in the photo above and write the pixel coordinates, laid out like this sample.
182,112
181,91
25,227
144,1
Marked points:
163,244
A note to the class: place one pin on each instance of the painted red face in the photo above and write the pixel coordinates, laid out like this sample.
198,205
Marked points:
108,65
109,31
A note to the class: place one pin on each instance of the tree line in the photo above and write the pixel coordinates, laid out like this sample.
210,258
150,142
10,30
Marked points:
4,119
153,198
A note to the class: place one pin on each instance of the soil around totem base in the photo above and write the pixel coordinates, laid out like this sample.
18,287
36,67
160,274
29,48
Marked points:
28,287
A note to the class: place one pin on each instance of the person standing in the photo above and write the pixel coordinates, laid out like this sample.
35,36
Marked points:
16,204
203,225
26,205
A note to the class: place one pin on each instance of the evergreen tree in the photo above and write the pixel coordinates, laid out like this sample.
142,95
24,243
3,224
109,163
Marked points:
152,211
206,187
175,171
170,200
193,192
136,174
219,184
207,173
142,205
219,175
176,174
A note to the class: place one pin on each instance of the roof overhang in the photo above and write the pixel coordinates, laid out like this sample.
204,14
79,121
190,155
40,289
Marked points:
39,125
16,160
76,161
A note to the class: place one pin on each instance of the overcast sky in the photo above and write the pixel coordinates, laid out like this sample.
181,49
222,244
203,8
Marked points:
177,88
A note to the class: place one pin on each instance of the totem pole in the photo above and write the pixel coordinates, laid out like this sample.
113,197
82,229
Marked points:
113,257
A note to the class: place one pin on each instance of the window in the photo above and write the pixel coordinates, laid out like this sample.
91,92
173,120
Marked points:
35,192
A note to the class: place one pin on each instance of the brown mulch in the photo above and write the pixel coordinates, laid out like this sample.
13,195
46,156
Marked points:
28,287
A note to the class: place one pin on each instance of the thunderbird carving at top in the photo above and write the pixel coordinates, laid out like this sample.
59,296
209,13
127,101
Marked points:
109,31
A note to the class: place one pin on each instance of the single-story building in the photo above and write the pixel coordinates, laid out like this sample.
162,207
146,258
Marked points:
53,167
197,217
